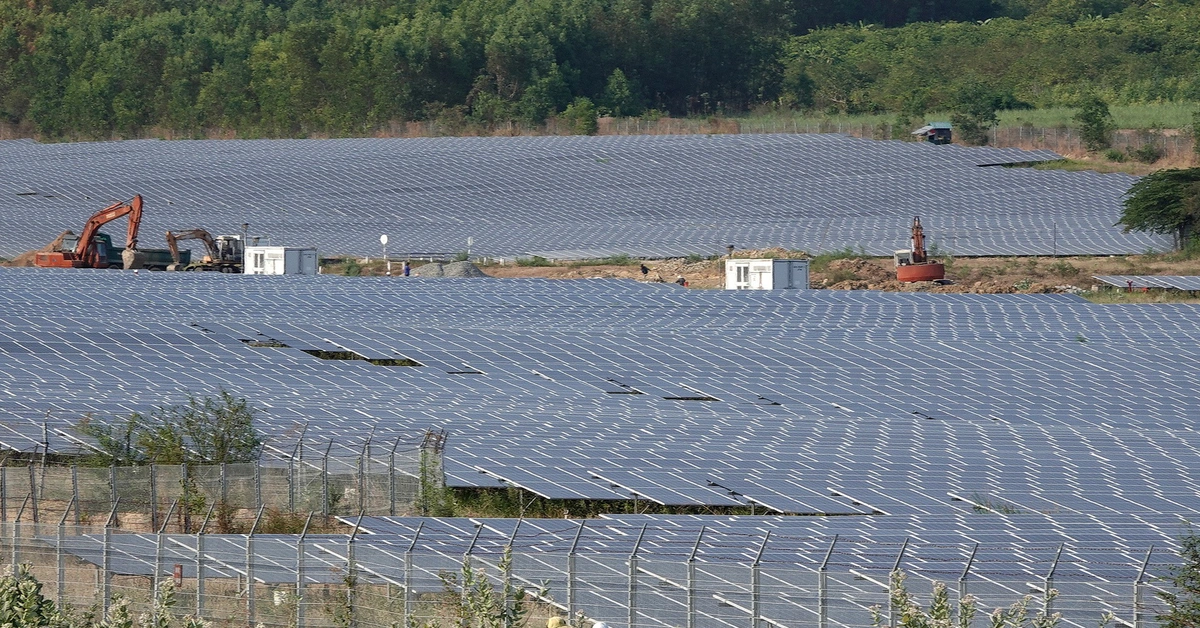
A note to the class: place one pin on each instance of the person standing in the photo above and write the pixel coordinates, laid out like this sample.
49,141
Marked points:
407,269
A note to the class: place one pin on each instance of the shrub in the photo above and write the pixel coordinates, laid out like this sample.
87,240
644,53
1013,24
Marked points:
1147,153
1113,154
351,268
1095,123
536,260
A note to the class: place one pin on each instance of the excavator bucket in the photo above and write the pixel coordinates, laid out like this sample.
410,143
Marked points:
133,258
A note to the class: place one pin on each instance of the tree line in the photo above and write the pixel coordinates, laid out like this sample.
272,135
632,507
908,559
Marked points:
104,68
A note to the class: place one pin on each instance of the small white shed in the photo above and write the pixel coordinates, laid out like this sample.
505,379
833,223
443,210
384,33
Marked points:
280,260
766,274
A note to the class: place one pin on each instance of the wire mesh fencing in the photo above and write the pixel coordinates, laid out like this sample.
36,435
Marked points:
379,478
427,578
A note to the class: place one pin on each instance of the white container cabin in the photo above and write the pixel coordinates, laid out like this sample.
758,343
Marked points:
280,260
766,274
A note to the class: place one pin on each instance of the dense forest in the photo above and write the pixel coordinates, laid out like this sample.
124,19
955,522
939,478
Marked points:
103,68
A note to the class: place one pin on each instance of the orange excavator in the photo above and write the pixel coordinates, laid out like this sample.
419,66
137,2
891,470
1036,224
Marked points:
224,253
914,265
90,250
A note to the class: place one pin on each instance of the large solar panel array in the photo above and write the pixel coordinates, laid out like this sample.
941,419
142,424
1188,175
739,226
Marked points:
817,402
1166,282
573,197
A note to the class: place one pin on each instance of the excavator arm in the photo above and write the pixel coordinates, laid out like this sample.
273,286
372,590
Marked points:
173,238
131,208
918,242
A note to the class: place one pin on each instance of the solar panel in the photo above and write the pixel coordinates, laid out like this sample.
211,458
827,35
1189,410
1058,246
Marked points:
574,197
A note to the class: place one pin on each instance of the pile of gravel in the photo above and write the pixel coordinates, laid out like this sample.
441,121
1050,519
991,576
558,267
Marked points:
453,269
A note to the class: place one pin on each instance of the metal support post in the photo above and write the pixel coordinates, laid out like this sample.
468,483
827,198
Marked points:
186,486
352,573
224,483
755,594
16,538
363,467
113,496
33,489
408,574
633,569
891,583
153,498
691,580
467,557
58,550
962,580
325,481
107,560
823,587
508,567
258,500
1047,598
392,479
300,571
1139,619
3,493
250,618
572,605
75,491
200,562
158,552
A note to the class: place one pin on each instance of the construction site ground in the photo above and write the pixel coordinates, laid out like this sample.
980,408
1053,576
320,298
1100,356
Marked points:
991,275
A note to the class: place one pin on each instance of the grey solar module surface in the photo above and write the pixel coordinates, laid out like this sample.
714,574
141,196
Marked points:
1170,282
897,403
573,197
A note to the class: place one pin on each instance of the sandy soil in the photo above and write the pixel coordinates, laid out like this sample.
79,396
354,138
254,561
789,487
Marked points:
974,274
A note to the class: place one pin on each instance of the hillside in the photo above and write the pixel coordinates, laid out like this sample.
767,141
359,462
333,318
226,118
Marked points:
290,68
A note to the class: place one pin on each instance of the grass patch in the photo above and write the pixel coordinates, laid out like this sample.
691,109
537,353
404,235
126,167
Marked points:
818,263
1118,296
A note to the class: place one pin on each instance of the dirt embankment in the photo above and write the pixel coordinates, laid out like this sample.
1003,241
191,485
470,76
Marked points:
992,275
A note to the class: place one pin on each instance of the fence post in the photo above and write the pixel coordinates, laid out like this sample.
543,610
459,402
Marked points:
691,581
153,498
962,580
300,572
633,569
408,572
33,488
363,466
891,583
352,573
58,550
392,478
755,594
258,501
1139,620
3,492
325,481
250,569
823,587
571,592
1047,600
113,497
508,567
107,560
158,551
297,456
467,558
16,534
75,491
224,484
200,562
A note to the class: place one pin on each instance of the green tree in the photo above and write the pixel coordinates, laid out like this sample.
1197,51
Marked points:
974,112
1183,603
201,431
581,115
1165,202
1196,132
1095,123
621,97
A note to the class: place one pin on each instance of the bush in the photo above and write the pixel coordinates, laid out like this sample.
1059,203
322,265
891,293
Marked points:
536,260
351,268
1095,123
581,117
1113,154
1147,153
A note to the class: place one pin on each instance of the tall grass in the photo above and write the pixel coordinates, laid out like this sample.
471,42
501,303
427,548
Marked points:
1148,116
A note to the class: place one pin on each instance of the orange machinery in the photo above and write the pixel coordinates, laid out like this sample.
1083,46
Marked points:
91,252
914,265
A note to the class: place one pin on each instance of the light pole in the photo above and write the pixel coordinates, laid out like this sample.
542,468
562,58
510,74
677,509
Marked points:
383,240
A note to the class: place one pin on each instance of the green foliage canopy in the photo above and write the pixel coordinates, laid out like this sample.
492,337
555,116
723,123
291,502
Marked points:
1183,602
1165,202
202,431
1095,123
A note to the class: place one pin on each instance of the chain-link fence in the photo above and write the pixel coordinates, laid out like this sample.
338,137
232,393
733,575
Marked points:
380,478
383,578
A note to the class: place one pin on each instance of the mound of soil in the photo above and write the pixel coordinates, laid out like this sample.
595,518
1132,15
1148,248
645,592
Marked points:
453,269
